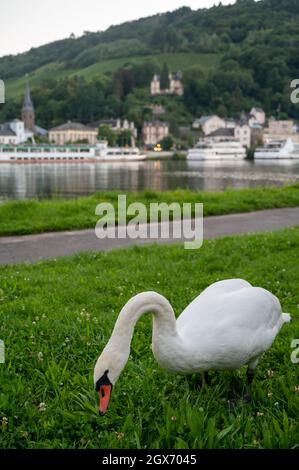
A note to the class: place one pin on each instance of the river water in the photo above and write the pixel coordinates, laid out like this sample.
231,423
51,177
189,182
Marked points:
23,181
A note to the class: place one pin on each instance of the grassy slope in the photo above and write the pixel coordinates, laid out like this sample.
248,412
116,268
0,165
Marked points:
66,310
15,86
178,61
25,217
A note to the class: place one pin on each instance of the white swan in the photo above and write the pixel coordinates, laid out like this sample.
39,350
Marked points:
228,325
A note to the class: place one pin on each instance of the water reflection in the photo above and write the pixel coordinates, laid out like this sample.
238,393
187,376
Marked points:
21,181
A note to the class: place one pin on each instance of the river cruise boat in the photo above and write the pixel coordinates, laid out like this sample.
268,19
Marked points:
277,150
67,153
220,150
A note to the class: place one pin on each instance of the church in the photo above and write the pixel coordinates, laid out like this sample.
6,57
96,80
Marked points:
20,131
28,114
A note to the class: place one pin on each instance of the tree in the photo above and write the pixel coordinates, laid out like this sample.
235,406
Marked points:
167,143
164,79
124,138
106,133
123,83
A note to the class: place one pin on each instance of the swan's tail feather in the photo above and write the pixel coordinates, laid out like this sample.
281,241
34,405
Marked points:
286,318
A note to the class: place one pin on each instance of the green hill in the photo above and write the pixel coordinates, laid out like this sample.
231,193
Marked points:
232,57
180,61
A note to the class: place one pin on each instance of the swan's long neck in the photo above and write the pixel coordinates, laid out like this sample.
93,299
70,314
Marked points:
165,338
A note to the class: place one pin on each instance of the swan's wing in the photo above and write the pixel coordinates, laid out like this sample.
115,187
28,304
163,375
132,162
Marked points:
230,329
226,286
213,294
247,309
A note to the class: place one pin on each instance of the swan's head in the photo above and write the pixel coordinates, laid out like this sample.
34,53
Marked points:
106,372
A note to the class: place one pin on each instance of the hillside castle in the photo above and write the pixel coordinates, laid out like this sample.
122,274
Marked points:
175,85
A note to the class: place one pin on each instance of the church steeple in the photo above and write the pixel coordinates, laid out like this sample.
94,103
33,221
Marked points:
28,115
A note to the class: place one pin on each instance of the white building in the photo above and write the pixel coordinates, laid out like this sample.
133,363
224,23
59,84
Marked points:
153,132
242,133
209,124
14,133
155,85
116,125
7,136
175,84
230,123
257,116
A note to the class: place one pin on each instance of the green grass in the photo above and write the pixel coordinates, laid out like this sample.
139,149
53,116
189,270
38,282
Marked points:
56,317
25,217
14,87
178,61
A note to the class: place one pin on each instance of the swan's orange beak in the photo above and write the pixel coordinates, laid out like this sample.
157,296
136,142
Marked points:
104,394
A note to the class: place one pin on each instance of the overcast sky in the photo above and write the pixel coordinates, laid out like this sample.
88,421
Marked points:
30,23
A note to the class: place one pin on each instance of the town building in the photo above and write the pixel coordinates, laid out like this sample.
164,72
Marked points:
155,85
154,131
209,124
175,85
14,133
240,133
73,132
7,135
281,130
257,116
281,127
117,125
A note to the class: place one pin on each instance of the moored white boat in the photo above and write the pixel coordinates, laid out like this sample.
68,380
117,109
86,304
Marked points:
67,153
277,149
105,153
220,150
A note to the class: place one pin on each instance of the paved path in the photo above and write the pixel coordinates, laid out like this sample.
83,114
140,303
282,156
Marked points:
32,248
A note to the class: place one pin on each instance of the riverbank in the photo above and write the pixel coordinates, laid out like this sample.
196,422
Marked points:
38,216
58,315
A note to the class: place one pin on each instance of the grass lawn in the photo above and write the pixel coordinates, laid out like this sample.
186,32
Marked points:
56,316
25,217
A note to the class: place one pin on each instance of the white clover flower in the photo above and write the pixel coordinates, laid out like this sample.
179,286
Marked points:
42,407
40,356
4,421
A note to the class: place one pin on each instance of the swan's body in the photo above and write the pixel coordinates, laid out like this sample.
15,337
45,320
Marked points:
228,325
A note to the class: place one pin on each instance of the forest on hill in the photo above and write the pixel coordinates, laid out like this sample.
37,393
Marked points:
251,50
